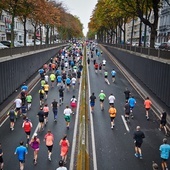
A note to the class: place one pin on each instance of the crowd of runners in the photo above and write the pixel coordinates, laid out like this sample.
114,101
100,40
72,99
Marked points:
94,56
62,72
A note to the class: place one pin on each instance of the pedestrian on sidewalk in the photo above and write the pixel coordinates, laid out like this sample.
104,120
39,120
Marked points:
138,140
21,151
73,104
64,143
12,116
147,104
27,126
164,151
54,106
35,145
49,140
92,102
163,122
61,165
67,116
1,158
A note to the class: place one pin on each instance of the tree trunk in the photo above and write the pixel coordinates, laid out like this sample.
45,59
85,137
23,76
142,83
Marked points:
47,35
124,33
40,35
12,31
152,37
131,38
140,33
35,30
25,30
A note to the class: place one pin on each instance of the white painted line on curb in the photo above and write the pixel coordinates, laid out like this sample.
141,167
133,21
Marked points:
124,121
92,129
73,148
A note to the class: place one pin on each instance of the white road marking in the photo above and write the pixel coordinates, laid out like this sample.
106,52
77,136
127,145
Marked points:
92,129
124,121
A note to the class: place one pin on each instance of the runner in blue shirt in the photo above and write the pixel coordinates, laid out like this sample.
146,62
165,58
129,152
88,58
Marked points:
68,81
59,80
113,73
21,151
132,103
165,150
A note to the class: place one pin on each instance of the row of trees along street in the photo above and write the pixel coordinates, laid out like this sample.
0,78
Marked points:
46,13
111,16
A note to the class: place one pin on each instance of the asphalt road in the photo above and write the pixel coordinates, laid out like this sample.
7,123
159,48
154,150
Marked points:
10,139
114,148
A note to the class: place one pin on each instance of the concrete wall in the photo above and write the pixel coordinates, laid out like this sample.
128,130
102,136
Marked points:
14,72
153,74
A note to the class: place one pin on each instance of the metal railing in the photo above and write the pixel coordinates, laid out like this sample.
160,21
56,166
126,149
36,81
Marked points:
19,50
143,50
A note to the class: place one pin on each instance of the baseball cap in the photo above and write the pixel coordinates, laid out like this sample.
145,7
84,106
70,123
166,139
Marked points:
35,134
101,91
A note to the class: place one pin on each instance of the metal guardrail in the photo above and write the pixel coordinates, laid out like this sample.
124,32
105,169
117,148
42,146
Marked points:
19,50
143,50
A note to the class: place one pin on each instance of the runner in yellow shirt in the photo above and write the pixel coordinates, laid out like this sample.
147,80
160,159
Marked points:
52,78
46,89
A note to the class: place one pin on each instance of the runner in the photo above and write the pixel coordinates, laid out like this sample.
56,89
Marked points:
68,82
46,90
73,104
35,145
49,140
12,116
138,140
102,97
78,76
111,99
23,96
92,102
88,61
100,67
127,111
61,166
24,87
59,80
147,104
96,66
27,126
64,143
46,112
67,113
40,115
46,77
29,101
112,112
23,110
41,95
104,63
113,73
61,95
73,82
132,103
21,151
127,93
18,104
42,82
54,105
163,122
52,79
1,158
106,77
165,150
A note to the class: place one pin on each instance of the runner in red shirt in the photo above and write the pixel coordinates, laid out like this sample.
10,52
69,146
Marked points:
27,125
96,66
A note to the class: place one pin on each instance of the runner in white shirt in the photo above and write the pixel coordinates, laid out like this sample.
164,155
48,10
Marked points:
104,63
46,78
111,99
18,104
73,82
67,114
